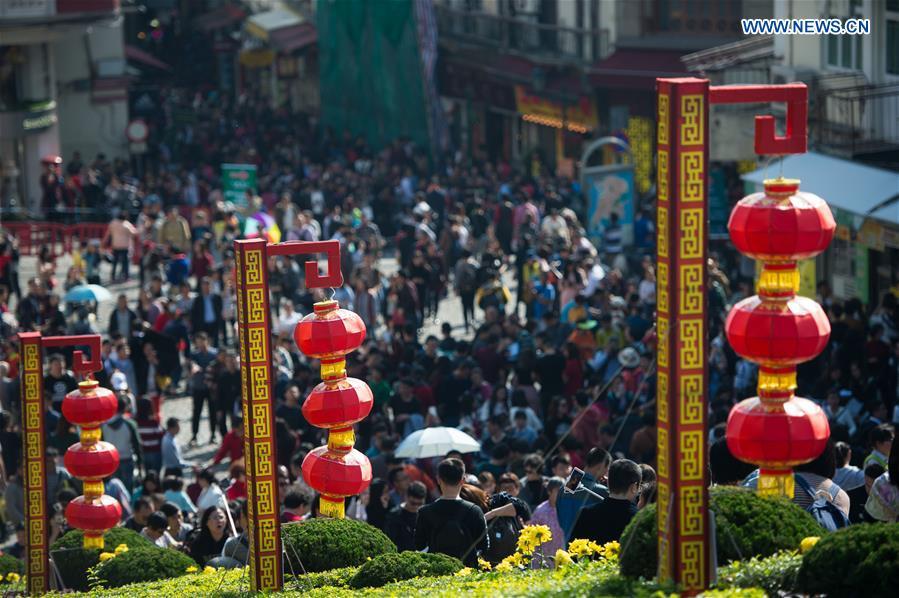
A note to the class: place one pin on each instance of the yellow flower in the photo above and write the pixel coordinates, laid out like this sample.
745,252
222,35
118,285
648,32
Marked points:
612,549
580,547
13,578
808,543
207,569
504,567
542,534
563,559
484,565
192,569
514,560
121,548
526,543
105,556
464,571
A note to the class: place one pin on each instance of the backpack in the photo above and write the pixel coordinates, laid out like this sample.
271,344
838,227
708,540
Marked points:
503,533
823,509
466,279
451,539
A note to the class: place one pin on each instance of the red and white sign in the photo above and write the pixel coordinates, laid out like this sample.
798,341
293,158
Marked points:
137,131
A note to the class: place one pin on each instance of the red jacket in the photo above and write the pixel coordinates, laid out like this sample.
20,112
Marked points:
232,447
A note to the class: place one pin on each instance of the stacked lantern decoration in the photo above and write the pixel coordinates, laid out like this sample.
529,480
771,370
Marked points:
335,470
778,330
91,461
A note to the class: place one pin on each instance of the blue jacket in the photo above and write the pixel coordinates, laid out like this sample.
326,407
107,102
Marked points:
569,504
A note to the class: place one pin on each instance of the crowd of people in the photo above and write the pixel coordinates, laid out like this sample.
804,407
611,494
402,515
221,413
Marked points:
551,369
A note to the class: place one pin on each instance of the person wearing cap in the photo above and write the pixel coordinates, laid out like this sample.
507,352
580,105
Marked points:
584,338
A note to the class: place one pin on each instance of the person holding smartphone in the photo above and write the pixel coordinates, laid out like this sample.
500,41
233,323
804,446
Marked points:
604,522
587,491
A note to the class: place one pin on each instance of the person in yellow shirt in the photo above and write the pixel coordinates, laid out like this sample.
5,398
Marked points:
607,332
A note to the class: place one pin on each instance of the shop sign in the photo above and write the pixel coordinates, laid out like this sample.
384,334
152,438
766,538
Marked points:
256,59
891,237
580,117
871,234
237,179
24,122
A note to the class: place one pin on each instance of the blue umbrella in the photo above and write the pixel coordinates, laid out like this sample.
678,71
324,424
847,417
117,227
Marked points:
87,292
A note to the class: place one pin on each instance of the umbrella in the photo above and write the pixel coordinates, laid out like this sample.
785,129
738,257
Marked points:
436,442
87,292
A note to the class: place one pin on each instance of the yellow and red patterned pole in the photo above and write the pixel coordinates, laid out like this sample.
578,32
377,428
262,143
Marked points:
254,333
254,337
682,336
34,467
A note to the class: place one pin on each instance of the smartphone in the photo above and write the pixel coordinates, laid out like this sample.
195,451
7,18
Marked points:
574,479
432,411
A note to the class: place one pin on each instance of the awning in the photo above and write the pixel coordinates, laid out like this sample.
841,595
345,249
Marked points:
219,18
138,55
634,68
841,183
262,24
295,37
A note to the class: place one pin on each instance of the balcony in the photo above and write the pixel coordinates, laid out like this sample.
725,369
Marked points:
857,120
548,43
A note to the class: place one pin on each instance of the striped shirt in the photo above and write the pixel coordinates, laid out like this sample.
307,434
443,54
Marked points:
151,434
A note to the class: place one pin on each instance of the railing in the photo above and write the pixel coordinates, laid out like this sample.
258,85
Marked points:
59,238
863,119
525,37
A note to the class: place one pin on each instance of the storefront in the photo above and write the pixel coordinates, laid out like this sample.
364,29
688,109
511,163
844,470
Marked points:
278,59
554,131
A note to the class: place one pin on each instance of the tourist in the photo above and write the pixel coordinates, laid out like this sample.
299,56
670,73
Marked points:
143,507
209,539
172,461
156,531
174,493
399,525
238,547
451,525
883,498
178,528
545,514
296,507
606,521
212,495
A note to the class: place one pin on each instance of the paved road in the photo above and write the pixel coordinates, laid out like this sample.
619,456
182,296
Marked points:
450,310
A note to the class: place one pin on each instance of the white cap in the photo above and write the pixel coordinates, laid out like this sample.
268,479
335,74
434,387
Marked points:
119,381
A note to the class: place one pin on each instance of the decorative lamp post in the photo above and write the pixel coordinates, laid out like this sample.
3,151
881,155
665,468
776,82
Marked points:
335,470
91,461
778,330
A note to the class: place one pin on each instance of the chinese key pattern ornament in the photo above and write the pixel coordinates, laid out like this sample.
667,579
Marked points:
91,461
778,330
335,470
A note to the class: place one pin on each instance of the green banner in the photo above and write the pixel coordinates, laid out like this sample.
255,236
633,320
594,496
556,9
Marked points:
236,180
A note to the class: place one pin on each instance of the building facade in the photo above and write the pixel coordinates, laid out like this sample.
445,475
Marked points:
61,90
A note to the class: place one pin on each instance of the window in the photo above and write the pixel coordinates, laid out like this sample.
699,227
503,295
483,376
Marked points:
893,46
844,51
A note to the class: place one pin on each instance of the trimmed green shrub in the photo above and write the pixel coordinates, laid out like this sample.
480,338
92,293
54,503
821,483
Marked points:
775,574
73,561
323,544
855,558
10,564
335,578
390,567
145,563
746,524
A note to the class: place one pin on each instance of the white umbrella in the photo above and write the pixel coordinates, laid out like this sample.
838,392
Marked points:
436,442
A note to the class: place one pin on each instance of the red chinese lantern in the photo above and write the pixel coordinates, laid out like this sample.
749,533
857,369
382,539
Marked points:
778,330
335,470
91,461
